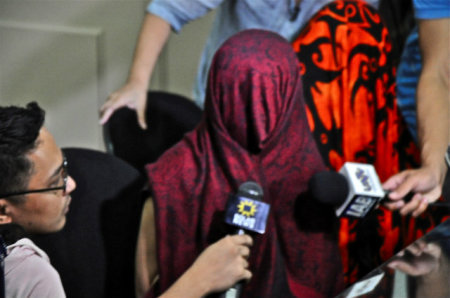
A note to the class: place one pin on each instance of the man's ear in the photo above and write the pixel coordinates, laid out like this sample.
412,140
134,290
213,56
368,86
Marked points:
5,214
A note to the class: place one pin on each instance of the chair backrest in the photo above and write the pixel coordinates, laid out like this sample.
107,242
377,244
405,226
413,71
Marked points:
169,117
94,253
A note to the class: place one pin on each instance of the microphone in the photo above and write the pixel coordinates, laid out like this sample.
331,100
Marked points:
355,190
246,212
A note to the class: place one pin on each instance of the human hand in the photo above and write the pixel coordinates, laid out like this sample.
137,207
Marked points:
130,95
219,267
418,259
224,263
425,183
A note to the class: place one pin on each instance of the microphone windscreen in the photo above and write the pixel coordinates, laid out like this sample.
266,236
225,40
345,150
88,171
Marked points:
329,188
251,189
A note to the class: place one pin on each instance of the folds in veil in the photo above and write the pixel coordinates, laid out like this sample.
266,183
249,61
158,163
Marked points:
254,128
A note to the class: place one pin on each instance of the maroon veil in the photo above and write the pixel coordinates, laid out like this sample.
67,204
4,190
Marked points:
254,128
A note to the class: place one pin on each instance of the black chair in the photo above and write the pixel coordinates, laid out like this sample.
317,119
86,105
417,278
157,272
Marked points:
94,253
169,117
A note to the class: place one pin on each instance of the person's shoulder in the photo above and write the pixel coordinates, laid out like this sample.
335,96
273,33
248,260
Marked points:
28,272
425,9
23,253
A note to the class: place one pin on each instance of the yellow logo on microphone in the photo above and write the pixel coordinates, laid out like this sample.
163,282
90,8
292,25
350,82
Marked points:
247,208
248,214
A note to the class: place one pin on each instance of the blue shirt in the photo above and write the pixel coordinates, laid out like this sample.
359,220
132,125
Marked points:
233,16
411,63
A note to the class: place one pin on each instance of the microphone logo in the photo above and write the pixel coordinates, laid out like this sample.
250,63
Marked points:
364,179
247,214
364,190
247,208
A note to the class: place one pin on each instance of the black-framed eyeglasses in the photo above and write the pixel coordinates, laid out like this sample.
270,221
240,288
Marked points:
64,175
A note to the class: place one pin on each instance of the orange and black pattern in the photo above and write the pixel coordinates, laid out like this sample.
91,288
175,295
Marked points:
349,83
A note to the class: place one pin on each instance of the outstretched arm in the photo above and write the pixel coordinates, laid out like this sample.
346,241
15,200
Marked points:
433,96
152,38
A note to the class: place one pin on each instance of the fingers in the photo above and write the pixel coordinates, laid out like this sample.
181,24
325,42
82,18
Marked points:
392,184
420,202
107,110
104,117
402,266
244,263
416,205
131,96
421,207
244,251
242,245
140,109
415,249
421,183
395,205
242,240
399,185
247,275
394,181
115,101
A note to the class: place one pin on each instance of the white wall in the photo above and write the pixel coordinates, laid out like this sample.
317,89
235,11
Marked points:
68,55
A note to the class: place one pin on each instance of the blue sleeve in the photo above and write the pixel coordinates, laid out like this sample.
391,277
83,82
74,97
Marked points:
179,12
431,9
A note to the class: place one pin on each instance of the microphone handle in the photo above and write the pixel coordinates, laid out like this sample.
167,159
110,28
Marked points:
235,291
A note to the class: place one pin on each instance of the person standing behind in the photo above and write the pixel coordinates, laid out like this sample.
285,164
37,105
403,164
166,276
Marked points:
285,17
424,99
348,74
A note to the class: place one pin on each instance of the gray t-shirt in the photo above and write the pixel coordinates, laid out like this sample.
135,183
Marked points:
28,272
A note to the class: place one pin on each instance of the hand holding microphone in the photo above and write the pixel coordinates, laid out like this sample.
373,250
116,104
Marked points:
425,183
355,190
218,267
224,263
247,213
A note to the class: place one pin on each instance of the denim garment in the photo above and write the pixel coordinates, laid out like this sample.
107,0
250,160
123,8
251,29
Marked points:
233,16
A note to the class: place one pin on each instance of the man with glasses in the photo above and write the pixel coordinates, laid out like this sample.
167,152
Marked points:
35,196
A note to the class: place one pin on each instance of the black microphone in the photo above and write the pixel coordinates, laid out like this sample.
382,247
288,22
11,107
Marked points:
246,212
354,191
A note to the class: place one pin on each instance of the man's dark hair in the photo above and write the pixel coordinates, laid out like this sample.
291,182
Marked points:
19,131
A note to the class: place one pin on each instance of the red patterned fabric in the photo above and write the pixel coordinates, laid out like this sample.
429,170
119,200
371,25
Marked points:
254,128
349,83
